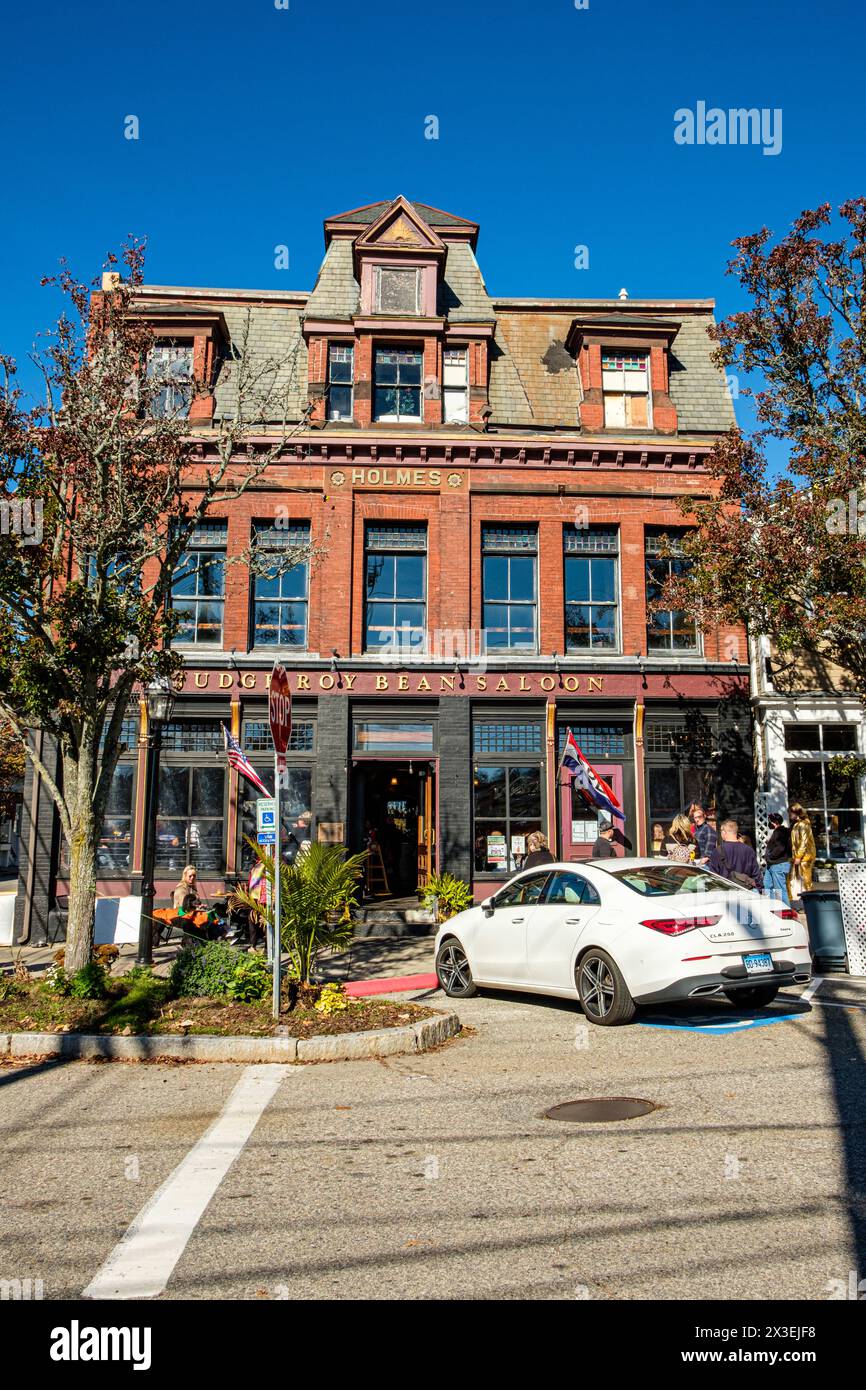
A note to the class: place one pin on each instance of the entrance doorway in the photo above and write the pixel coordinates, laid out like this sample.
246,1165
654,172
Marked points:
396,802
580,820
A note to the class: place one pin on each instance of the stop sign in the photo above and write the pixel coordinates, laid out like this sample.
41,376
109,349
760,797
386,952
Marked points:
280,708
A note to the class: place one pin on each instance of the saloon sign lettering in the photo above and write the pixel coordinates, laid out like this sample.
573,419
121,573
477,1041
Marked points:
400,682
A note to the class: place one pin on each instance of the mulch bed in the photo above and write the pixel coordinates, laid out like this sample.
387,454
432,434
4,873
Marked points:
29,1008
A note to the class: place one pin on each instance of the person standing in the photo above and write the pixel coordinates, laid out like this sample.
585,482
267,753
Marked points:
803,851
705,836
603,847
680,845
777,859
734,860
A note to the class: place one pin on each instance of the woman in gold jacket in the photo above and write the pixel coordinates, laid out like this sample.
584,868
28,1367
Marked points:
803,852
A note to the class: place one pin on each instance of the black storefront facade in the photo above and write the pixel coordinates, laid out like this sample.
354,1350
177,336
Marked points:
454,767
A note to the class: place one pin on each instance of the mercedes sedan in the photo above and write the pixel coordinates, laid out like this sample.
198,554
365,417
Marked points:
618,933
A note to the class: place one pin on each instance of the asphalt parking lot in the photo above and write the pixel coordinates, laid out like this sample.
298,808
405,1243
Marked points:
437,1175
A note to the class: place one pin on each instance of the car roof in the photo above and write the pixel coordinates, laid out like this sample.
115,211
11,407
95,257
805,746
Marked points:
606,866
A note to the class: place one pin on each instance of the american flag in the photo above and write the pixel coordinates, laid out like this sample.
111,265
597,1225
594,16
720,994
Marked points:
239,760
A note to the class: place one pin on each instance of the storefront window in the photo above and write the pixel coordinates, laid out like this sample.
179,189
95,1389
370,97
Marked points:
672,791
392,736
114,851
834,805
508,801
190,818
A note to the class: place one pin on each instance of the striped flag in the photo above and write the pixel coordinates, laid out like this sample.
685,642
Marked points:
239,760
587,780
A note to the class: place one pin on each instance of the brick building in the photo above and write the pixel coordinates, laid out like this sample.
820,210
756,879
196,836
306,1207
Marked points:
485,481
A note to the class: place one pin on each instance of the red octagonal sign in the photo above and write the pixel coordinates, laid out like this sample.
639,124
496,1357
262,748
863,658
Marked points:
280,708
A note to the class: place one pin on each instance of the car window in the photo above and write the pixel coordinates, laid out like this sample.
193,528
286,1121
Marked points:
571,888
662,880
525,890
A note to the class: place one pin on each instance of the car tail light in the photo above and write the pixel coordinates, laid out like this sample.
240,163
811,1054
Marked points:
675,926
787,912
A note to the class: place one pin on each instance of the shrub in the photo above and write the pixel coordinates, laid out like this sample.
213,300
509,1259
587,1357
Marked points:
204,970
55,980
251,980
90,982
451,894
332,1000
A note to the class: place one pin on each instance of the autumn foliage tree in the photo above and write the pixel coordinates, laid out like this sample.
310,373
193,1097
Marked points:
111,491
785,551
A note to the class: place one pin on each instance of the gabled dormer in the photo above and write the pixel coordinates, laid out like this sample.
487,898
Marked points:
399,261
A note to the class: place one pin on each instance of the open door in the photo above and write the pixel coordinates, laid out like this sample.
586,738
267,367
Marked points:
579,820
426,829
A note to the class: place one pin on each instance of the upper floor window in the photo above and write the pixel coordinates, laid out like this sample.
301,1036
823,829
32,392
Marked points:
397,386
591,587
455,386
170,376
397,291
626,387
396,575
280,595
198,590
341,372
510,604
668,630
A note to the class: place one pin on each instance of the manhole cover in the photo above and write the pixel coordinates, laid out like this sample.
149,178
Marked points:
605,1108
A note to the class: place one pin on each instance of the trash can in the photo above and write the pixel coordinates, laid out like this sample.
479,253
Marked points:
823,909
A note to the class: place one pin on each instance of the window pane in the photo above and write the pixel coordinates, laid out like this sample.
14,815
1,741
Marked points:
604,627
841,791
119,801
207,791
603,574
495,621
577,633
525,791
384,402
495,576
211,576
209,624
802,736
173,795
398,291
409,402
664,794
340,403
839,738
804,783
409,581
490,791
381,571
577,579
186,583
522,577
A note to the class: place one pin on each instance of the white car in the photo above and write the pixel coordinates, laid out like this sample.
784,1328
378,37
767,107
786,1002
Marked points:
616,933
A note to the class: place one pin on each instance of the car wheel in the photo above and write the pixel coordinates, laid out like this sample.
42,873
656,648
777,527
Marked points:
603,992
754,996
452,970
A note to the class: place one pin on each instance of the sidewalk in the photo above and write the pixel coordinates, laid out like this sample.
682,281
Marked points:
368,958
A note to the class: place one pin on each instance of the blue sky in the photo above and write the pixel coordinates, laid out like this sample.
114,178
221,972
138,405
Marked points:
555,130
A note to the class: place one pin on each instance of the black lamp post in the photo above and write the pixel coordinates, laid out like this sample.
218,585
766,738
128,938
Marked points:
160,704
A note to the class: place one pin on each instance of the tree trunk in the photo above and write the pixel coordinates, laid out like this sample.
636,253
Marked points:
82,891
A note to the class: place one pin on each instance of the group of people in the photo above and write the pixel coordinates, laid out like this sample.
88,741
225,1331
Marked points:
789,855
692,838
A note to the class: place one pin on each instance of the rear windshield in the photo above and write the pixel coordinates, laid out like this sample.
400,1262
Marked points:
662,880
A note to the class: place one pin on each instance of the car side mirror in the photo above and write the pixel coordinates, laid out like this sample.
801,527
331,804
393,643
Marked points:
488,906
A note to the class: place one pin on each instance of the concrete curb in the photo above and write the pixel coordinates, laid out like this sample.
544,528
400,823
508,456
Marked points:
379,1042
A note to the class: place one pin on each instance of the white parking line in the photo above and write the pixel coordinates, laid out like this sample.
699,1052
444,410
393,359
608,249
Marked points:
140,1265
812,988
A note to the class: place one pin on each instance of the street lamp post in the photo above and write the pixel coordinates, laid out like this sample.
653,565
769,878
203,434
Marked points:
160,704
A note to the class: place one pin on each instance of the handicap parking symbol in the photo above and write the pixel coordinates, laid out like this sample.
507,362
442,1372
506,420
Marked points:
719,1020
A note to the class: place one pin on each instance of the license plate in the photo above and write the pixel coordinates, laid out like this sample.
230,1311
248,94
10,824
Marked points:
759,963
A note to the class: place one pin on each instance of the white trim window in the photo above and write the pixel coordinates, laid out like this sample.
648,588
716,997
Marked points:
455,386
341,376
625,382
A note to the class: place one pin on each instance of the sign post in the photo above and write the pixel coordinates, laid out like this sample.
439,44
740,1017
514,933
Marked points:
280,719
266,813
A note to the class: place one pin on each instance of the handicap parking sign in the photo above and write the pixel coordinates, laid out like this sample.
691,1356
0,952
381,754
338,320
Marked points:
266,817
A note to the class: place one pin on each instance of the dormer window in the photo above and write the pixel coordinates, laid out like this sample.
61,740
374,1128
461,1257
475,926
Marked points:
170,378
625,383
397,291
455,386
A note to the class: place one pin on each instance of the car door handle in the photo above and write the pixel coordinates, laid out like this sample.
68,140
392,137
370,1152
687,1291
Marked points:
572,921
518,919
